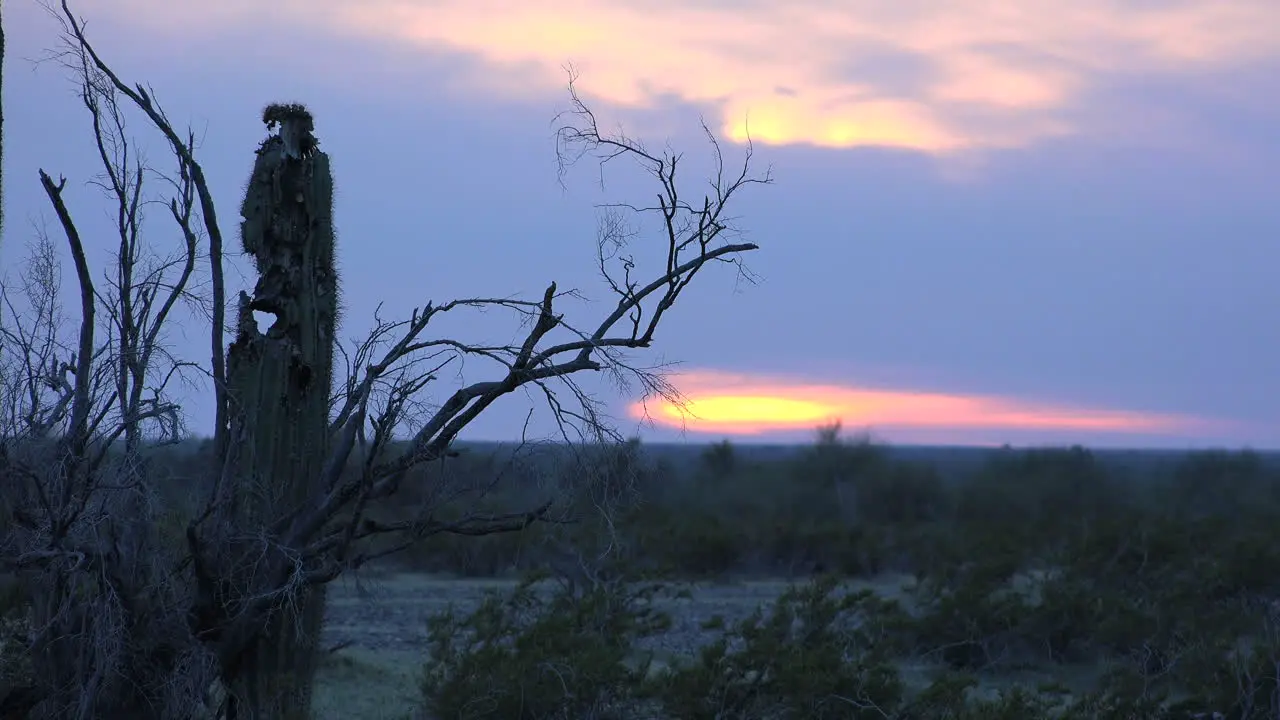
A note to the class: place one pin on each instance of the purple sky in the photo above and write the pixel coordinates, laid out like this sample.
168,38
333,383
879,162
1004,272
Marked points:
992,222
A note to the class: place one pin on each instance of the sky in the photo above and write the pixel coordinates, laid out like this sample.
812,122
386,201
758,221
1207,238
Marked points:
991,222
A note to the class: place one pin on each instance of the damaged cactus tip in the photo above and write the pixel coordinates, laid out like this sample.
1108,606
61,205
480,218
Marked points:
297,128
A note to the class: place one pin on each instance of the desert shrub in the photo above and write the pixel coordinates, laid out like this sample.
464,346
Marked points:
901,493
1017,703
848,550
702,543
1065,618
1243,560
171,527
528,656
954,696
1155,577
1242,681
944,552
719,461
814,655
946,698
826,476
15,637
485,556
1039,494
822,652
858,481
1124,693
973,618
1217,483
697,543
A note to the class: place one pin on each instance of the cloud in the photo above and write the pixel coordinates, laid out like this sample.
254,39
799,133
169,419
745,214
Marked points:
736,404
936,77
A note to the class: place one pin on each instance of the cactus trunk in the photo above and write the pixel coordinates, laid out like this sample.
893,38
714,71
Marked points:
278,384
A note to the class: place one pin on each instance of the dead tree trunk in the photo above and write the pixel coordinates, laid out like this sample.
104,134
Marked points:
279,385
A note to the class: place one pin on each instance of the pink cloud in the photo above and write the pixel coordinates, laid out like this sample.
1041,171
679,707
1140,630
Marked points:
994,74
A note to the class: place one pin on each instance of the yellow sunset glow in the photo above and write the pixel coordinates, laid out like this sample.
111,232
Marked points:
750,409
736,404
933,77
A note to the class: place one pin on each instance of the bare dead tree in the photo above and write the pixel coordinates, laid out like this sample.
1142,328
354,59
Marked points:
124,622
82,528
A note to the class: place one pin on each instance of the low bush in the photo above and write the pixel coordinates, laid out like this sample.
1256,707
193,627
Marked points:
813,655
819,651
529,654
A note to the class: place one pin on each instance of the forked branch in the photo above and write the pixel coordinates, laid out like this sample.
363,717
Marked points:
692,237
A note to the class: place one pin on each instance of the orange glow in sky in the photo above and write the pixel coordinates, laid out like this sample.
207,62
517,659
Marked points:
737,404
935,77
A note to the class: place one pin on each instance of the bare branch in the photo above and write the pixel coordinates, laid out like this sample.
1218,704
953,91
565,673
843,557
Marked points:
80,402
692,239
184,150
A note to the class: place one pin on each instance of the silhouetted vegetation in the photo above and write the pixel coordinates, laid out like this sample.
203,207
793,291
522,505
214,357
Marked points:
1045,583
1037,584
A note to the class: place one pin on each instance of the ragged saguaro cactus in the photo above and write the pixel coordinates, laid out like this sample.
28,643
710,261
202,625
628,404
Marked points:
278,385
